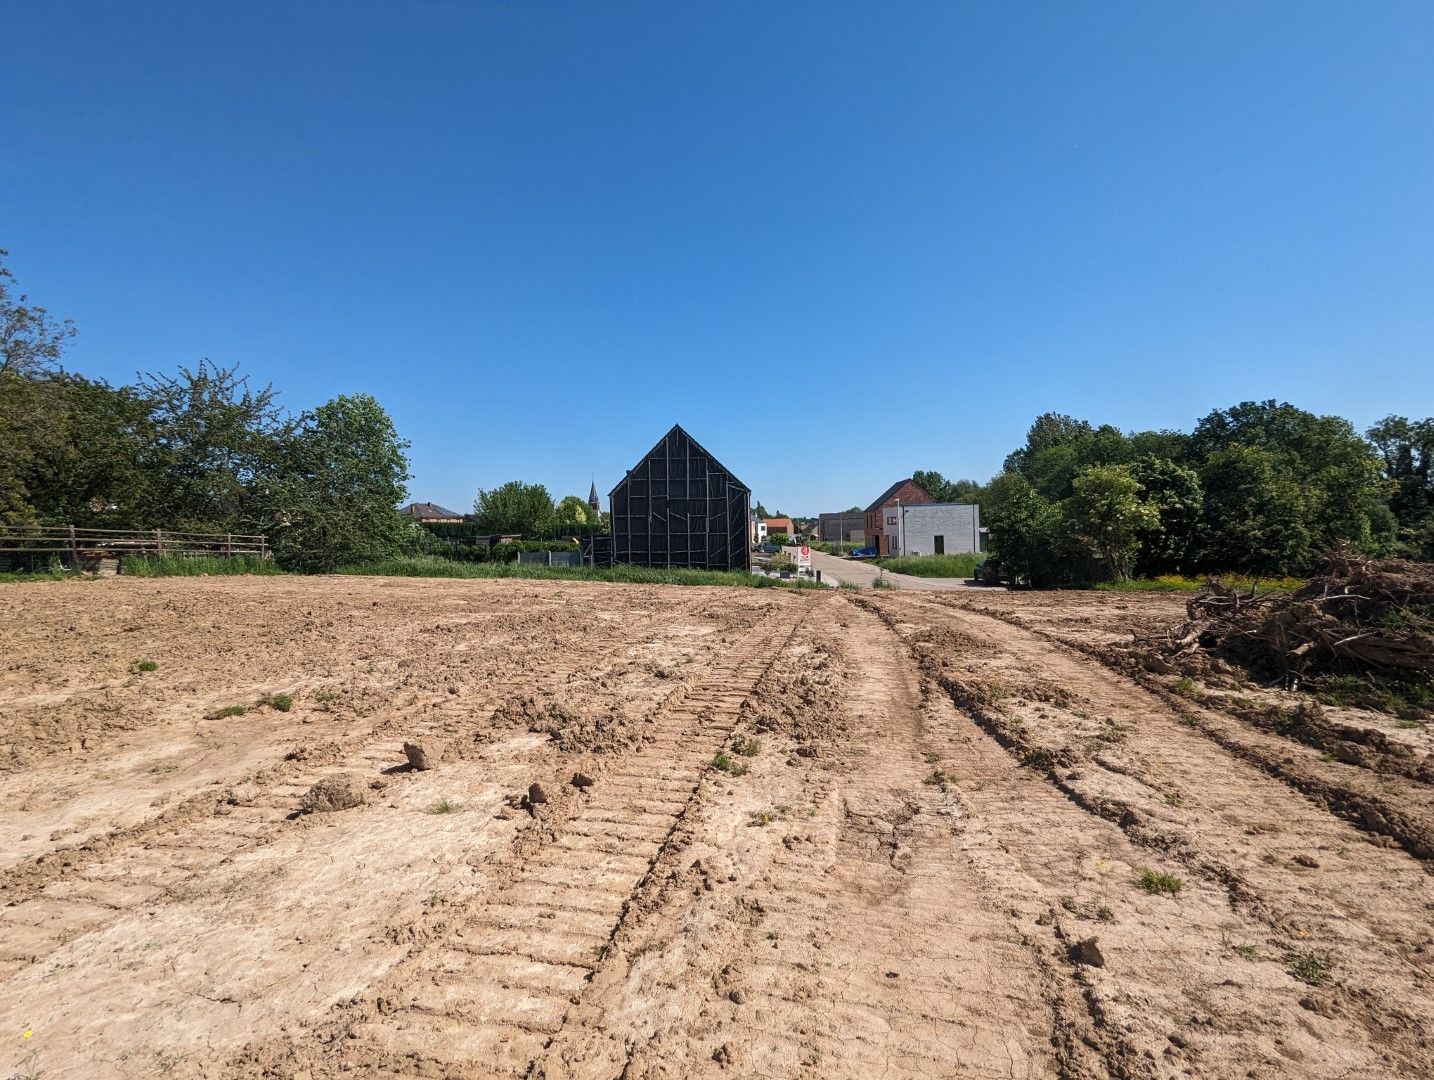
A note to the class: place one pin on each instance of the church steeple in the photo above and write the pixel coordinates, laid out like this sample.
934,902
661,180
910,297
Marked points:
593,499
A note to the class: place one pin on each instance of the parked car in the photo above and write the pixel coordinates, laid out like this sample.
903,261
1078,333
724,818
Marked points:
768,549
863,553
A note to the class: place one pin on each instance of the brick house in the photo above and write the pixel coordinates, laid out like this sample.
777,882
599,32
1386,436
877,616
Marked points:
906,492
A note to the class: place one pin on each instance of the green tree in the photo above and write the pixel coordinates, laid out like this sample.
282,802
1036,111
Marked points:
1174,491
335,493
943,490
1406,450
215,440
1028,533
31,342
1107,516
574,512
515,507
1257,516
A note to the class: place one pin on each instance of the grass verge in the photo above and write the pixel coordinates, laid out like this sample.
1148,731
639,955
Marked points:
177,566
427,566
957,566
1177,584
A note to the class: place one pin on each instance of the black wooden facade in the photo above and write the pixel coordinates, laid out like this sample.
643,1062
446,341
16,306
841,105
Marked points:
679,507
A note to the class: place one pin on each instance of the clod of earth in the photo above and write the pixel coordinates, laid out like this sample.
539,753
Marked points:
582,781
1086,951
341,792
536,794
423,756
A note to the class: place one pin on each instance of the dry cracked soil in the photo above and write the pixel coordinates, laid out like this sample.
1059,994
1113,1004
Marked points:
321,827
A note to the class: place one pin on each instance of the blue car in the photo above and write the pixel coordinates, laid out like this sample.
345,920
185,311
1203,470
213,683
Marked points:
863,553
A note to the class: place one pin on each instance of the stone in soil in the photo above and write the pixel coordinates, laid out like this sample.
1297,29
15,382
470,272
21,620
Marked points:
423,756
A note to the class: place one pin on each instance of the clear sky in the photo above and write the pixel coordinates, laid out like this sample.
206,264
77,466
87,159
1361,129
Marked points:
836,241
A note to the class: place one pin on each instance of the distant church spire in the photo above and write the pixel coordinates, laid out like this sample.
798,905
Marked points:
593,499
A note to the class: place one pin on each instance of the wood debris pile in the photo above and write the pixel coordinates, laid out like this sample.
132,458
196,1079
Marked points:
1357,617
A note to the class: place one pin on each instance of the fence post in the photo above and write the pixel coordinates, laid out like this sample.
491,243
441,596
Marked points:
263,547
74,552
229,545
159,542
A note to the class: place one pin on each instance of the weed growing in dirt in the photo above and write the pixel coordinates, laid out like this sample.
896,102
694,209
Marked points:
932,758
326,697
1310,967
145,665
747,747
229,710
723,762
1249,952
1156,882
850,586
936,777
946,566
278,702
164,767
881,582
185,566
1183,685
1104,914
766,817
444,806
1172,798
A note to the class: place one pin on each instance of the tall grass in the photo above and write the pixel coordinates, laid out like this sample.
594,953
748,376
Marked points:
1177,584
199,566
428,566
961,566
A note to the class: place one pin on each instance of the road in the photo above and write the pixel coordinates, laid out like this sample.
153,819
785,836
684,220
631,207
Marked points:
865,574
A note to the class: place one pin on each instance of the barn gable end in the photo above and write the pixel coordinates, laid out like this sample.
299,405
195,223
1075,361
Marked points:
680,507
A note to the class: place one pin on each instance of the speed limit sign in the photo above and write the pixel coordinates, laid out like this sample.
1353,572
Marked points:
804,558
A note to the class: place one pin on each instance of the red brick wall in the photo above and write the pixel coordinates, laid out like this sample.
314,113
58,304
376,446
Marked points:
908,494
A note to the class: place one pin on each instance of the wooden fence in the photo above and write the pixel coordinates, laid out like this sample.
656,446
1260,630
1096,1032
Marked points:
77,547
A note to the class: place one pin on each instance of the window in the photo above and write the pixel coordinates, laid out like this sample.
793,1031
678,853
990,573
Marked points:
891,520
940,544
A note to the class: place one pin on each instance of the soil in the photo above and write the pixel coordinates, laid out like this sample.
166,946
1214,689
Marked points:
587,830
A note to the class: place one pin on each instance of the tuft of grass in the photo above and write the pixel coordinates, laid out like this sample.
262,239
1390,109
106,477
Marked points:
1104,914
1178,584
277,702
850,586
766,817
747,747
1249,952
723,762
1310,967
881,582
932,758
1156,882
444,806
941,566
1172,798
229,710
145,665
936,777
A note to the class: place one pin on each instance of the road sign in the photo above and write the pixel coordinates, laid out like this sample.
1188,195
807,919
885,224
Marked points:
804,558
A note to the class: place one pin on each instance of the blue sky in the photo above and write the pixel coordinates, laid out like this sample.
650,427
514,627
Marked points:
837,242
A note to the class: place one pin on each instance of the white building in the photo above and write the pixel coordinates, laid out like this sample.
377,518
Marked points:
934,529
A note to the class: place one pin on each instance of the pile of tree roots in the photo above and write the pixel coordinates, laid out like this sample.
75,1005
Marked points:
1357,617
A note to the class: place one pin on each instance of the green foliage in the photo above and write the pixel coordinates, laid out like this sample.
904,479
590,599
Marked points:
1108,517
1310,967
515,507
724,762
277,702
779,538
1406,449
145,665
227,711
1174,492
574,512
781,563
31,342
342,474
941,566
943,490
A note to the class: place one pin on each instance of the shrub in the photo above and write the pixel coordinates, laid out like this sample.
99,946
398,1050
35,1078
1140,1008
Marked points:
278,702
1153,881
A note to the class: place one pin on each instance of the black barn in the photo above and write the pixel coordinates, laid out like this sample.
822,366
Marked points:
679,507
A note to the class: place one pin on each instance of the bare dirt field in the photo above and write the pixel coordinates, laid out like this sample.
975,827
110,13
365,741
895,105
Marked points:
773,834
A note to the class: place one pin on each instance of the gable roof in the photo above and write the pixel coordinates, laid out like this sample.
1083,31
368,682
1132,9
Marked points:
886,495
429,510
677,429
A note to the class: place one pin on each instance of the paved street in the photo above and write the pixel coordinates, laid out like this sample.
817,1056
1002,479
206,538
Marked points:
865,573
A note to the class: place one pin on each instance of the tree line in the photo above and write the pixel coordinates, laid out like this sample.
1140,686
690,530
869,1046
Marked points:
201,450
1262,488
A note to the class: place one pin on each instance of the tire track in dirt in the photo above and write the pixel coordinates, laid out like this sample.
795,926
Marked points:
492,992
70,892
1342,768
1359,907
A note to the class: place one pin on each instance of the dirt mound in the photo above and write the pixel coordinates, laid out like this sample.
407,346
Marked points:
342,792
1358,618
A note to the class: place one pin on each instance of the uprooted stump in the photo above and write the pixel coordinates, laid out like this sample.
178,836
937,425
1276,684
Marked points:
341,792
1358,617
